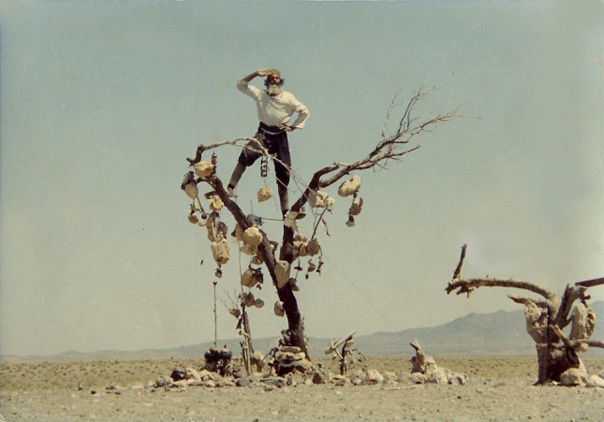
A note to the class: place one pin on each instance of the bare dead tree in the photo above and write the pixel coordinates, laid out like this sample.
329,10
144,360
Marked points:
546,318
346,355
394,144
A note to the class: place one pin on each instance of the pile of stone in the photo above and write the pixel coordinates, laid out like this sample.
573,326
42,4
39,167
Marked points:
312,375
290,367
218,359
366,377
433,374
425,370
179,379
290,359
578,377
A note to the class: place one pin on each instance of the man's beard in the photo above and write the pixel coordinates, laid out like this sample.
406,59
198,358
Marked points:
274,90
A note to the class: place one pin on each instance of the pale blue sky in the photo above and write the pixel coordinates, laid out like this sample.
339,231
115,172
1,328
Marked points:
102,101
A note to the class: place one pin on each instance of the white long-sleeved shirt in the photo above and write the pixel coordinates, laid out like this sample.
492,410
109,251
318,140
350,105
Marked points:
273,111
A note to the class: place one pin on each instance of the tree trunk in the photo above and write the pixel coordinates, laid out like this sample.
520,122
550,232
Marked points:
286,295
295,322
554,362
295,331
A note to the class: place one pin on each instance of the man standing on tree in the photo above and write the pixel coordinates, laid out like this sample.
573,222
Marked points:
275,108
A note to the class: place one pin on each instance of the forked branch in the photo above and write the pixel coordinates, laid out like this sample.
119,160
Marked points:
467,286
525,300
545,320
392,146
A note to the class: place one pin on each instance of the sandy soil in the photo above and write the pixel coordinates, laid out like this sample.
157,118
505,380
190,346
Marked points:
499,389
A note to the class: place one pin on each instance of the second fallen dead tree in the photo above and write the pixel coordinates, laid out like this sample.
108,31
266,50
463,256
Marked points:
547,316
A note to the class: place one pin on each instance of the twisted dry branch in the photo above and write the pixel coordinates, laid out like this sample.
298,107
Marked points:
590,343
591,283
252,144
569,297
525,300
202,148
467,286
390,147
462,257
574,343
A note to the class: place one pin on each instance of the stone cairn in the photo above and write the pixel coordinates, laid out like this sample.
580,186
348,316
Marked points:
180,380
424,370
288,359
288,366
218,359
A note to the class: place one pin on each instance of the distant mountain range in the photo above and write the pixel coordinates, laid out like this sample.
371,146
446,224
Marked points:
498,333
494,334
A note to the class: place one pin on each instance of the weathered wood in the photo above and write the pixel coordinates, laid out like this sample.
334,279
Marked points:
344,356
583,322
570,295
468,285
337,343
590,343
536,322
545,319
294,317
457,271
418,361
591,283
524,300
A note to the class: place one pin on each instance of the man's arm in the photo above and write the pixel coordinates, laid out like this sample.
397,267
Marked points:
247,79
259,72
244,86
303,115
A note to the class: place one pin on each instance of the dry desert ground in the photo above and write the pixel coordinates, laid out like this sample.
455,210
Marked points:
497,389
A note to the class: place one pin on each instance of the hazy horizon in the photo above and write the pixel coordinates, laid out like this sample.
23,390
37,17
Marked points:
514,341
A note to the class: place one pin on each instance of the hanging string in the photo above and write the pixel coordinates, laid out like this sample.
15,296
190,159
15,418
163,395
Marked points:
378,310
300,187
276,205
214,283
295,177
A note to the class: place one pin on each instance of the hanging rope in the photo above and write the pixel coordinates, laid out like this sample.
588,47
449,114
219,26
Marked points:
377,309
215,316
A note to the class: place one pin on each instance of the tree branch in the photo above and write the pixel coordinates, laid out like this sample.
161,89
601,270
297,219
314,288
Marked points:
457,271
591,283
524,300
391,147
467,286
571,294
202,148
590,343
575,343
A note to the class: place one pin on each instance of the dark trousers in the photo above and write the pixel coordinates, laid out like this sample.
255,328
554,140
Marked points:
276,143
